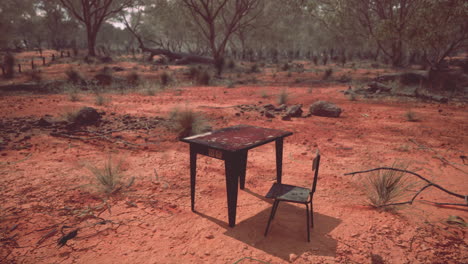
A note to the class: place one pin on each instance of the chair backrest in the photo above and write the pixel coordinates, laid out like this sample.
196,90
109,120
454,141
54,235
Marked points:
315,169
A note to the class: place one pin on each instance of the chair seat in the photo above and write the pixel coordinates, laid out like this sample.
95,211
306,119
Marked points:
289,193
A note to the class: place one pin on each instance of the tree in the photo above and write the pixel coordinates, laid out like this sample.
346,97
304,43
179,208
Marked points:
440,28
218,20
93,13
12,14
386,22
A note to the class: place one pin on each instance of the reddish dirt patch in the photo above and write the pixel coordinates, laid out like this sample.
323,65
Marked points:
46,186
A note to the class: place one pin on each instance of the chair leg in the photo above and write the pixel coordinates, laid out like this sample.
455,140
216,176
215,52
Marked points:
271,217
308,221
311,214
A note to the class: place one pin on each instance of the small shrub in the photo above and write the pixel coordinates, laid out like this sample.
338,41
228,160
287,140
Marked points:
254,68
109,176
70,114
35,76
73,96
264,94
203,78
231,64
133,79
352,96
289,74
387,186
411,116
188,122
324,60
327,74
345,78
309,90
286,67
100,100
9,64
230,84
315,60
193,72
150,91
283,97
165,79
74,76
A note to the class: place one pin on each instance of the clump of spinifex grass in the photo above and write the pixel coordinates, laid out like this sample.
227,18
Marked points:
108,176
388,186
411,116
283,97
188,122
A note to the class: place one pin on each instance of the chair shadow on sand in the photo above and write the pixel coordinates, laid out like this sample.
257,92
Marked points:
287,232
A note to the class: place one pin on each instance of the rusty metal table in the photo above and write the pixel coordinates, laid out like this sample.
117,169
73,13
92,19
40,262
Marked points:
231,144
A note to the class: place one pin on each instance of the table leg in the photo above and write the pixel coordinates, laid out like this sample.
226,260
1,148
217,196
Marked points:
193,175
243,168
279,159
232,167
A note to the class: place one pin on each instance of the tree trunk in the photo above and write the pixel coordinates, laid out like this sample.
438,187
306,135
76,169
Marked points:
91,41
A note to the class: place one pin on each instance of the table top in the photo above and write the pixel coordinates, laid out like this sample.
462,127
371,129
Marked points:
236,138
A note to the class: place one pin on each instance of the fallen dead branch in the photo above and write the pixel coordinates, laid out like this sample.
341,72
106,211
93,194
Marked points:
429,184
438,156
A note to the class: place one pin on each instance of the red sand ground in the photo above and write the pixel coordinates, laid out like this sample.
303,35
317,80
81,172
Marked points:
47,187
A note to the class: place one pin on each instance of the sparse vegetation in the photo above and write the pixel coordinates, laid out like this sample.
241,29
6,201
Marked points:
133,79
411,116
70,114
100,99
264,94
254,68
283,97
74,76
165,79
230,84
187,122
35,76
9,65
386,187
108,176
327,74
203,78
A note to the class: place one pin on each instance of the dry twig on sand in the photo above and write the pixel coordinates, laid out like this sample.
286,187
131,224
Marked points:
429,184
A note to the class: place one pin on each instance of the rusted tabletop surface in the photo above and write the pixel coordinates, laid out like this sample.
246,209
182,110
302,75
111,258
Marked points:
236,138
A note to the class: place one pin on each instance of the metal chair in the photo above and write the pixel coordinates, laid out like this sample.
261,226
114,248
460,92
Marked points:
294,194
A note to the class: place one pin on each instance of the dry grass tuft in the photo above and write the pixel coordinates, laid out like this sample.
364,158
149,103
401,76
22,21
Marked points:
188,122
108,176
411,116
387,186
283,97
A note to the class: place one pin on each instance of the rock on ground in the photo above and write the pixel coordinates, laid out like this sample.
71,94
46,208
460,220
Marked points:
324,108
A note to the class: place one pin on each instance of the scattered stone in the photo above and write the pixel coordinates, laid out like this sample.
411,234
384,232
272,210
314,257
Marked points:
280,108
210,236
87,116
295,110
376,87
269,107
286,117
292,257
323,108
269,114
118,69
44,122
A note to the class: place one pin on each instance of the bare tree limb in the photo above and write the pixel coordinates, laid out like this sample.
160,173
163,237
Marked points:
465,197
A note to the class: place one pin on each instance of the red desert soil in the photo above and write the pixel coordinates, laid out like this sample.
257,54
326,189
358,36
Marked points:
47,191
